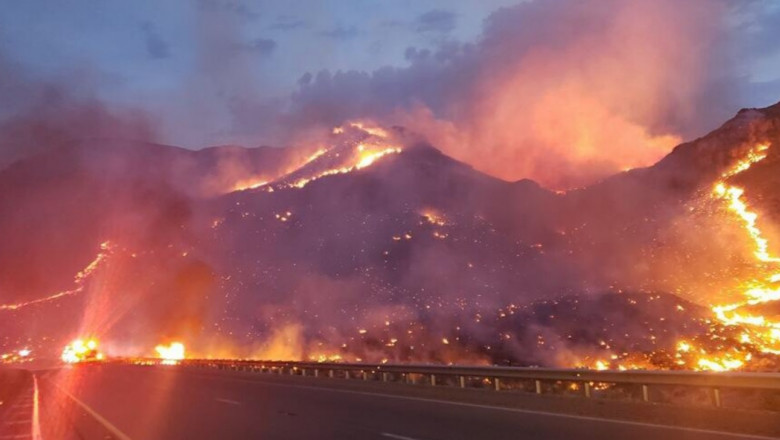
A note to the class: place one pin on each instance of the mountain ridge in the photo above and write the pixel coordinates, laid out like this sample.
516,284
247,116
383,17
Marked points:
413,236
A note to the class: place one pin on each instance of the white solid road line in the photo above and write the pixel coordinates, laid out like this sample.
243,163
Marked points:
36,419
102,420
228,401
723,434
396,436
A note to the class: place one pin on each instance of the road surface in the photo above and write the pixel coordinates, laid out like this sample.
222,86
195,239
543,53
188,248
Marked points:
136,402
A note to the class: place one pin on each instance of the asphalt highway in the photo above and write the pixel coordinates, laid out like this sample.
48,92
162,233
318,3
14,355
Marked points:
137,402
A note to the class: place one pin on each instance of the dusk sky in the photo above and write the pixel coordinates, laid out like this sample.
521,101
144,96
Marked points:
446,199
141,53
208,72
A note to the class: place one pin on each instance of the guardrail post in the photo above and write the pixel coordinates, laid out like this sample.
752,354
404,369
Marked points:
457,375
716,397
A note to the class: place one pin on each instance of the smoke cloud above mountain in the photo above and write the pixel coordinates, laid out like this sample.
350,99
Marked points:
563,92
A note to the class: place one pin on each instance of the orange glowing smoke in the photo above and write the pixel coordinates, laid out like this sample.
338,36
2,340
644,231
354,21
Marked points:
564,102
79,280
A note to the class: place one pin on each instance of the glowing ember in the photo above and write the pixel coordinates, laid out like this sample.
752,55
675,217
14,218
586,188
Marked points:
81,351
78,280
721,364
283,216
433,217
326,358
170,354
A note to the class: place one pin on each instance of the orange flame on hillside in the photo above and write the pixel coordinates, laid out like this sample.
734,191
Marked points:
759,333
78,280
259,182
362,155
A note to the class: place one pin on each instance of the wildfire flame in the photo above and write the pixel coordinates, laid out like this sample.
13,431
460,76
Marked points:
433,217
362,155
760,333
372,130
81,350
170,354
243,185
79,280
259,182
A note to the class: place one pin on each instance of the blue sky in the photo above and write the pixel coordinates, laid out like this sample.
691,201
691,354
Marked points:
135,52
188,61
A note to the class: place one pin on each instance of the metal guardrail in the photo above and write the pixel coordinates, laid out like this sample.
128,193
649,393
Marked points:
714,381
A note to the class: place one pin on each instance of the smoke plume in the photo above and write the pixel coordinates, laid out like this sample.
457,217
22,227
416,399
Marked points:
562,91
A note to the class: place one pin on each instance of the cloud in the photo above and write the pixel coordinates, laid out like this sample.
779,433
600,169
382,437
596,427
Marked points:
235,8
341,32
436,20
262,46
156,47
288,23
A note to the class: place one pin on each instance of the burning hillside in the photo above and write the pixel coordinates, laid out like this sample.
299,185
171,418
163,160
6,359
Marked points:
355,147
371,245
758,332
